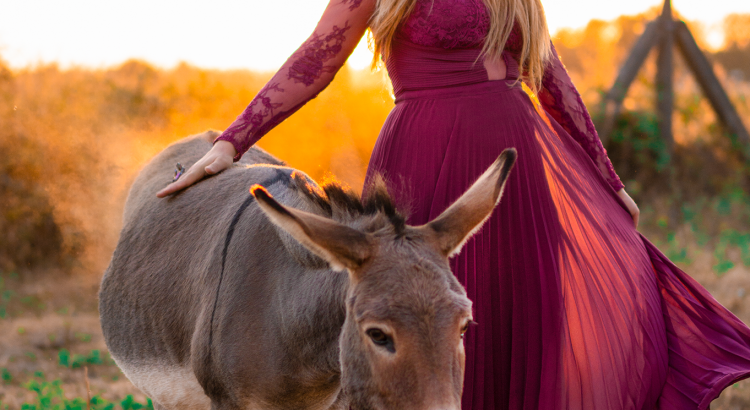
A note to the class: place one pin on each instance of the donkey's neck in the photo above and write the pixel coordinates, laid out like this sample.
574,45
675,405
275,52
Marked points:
312,317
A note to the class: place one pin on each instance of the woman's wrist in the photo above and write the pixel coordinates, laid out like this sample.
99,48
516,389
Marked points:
226,147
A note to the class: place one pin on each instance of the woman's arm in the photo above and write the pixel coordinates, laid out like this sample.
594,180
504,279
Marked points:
304,75
561,101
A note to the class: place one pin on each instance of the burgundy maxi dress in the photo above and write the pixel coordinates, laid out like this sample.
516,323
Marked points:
575,309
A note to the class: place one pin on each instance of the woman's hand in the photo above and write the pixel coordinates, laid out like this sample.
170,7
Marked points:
630,204
219,158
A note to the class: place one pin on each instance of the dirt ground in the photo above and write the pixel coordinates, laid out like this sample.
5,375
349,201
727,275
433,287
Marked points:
44,317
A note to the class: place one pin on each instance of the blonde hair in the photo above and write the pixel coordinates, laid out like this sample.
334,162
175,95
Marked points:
528,15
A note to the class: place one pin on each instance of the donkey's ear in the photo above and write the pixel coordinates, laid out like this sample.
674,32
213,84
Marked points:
462,219
341,246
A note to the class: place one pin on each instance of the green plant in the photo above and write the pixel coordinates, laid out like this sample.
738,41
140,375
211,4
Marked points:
129,403
63,358
675,251
5,297
50,396
6,376
94,357
718,224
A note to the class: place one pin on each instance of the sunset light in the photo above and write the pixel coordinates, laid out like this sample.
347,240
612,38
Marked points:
254,34
193,215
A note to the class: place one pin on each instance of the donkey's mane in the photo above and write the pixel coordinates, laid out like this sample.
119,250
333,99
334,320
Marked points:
340,202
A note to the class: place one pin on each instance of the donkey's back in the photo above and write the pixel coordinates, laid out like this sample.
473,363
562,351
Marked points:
189,270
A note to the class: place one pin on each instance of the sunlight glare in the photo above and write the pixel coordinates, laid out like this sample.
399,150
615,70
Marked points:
252,34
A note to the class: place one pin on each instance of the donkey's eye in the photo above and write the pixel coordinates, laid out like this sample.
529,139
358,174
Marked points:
466,327
377,336
381,339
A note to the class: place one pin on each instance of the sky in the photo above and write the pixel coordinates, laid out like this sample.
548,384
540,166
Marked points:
230,34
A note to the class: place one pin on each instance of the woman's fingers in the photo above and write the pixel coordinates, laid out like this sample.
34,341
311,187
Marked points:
634,211
631,206
219,158
193,175
219,164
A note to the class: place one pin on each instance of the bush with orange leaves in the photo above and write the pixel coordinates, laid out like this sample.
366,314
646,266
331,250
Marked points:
73,139
29,232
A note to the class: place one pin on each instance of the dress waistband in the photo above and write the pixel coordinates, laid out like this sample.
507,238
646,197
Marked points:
486,87
413,67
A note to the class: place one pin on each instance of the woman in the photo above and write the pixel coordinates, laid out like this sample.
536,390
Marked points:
575,309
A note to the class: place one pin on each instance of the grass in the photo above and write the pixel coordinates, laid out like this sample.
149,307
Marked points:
54,352
6,295
12,304
719,225
49,395
95,357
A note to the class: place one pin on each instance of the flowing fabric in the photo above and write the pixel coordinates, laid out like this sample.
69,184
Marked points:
575,309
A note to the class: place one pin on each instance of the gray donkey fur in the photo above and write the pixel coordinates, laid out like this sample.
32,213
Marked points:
293,297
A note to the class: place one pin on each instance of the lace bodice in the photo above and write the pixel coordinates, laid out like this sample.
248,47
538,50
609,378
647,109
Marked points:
446,24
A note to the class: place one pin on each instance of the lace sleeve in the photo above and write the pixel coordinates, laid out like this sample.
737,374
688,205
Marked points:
562,102
304,75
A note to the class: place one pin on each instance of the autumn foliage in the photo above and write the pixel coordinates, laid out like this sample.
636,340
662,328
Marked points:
73,139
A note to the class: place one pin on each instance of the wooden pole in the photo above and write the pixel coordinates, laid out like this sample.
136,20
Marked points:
665,105
647,41
710,84
665,77
665,32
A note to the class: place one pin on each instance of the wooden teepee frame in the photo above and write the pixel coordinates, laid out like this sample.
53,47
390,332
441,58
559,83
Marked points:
664,32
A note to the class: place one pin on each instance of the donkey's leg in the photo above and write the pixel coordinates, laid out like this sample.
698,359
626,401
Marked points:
229,406
340,404
170,387
158,406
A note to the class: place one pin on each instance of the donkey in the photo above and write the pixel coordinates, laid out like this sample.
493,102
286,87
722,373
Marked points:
295,296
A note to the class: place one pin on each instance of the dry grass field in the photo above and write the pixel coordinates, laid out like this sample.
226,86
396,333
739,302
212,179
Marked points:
51,332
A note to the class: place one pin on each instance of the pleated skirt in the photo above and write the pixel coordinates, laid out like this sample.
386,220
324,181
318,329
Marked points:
575,309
